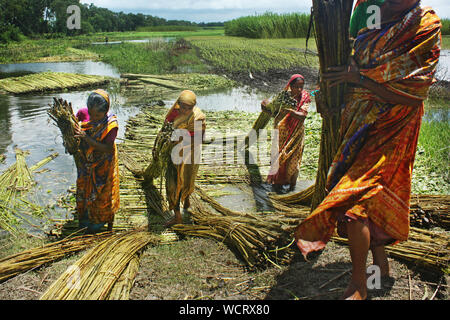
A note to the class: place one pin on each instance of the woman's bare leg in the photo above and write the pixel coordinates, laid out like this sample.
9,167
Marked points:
187,203
178,219
359,241
380,259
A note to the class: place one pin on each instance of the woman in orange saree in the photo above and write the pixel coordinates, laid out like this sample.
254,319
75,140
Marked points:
180,177
369,181
291,132
98,173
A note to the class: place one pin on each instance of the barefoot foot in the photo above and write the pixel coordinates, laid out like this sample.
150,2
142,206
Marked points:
353,292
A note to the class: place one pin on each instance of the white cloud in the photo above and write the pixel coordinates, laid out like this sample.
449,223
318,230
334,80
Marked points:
199,4
442,7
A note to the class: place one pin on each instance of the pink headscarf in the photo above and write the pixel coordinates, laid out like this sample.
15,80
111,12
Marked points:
294,76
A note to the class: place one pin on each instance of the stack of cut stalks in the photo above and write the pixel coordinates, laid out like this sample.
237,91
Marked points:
49,81
108,270
21,262
259,238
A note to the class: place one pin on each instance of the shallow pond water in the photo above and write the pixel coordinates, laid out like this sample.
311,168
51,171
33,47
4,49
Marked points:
443,69
148,40
82,67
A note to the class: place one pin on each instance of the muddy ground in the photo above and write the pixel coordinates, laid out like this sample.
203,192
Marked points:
204,269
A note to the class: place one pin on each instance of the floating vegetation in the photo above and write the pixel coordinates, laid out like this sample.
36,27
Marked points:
15,182
50,81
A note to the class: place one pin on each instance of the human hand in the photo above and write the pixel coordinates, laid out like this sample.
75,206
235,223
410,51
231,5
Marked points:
338,75
79,133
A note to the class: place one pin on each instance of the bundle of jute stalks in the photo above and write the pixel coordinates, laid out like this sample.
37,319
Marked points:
108,270
258,238
61,112
282,100
21,262
331,22
161,153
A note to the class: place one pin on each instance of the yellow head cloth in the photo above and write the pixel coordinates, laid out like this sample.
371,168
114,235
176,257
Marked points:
186,97
105,95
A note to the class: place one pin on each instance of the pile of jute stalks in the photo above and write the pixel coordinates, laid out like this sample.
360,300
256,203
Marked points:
108,270
49,81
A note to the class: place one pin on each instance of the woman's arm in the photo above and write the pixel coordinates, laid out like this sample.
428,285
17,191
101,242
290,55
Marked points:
102,147
350,74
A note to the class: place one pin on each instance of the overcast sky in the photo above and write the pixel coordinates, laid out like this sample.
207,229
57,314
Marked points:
223,10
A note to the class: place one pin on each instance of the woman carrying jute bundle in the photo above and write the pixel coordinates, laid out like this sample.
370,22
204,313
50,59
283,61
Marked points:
369,181
180,176
291,132
97,195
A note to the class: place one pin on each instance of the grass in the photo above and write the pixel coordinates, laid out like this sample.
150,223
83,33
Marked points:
269,25
234,54
445,42
150,58
73,48
431,173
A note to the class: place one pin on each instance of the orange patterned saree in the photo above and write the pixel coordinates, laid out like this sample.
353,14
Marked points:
370,176
98,176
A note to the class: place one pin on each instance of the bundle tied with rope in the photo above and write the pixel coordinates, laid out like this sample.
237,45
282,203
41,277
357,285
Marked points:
282,100
61,112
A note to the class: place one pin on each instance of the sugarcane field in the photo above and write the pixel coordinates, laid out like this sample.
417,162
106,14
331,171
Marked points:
242,156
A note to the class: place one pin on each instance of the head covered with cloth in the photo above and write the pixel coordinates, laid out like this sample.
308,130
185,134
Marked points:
180,177
98,175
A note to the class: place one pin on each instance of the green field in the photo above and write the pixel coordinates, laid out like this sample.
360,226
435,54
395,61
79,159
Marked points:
239,54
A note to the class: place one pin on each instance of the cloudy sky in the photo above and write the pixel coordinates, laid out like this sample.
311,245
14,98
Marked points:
223,10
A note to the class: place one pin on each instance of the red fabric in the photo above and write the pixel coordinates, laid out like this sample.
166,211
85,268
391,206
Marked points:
294,76
172,116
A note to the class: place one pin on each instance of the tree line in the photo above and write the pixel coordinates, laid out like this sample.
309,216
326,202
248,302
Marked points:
37,17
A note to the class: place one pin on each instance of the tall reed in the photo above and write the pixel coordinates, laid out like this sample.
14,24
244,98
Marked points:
269,25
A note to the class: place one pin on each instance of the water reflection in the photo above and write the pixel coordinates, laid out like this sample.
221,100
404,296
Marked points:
82,67
148,40
5,124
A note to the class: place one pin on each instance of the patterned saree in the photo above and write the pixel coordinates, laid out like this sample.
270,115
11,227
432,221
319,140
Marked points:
370,176
98,177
